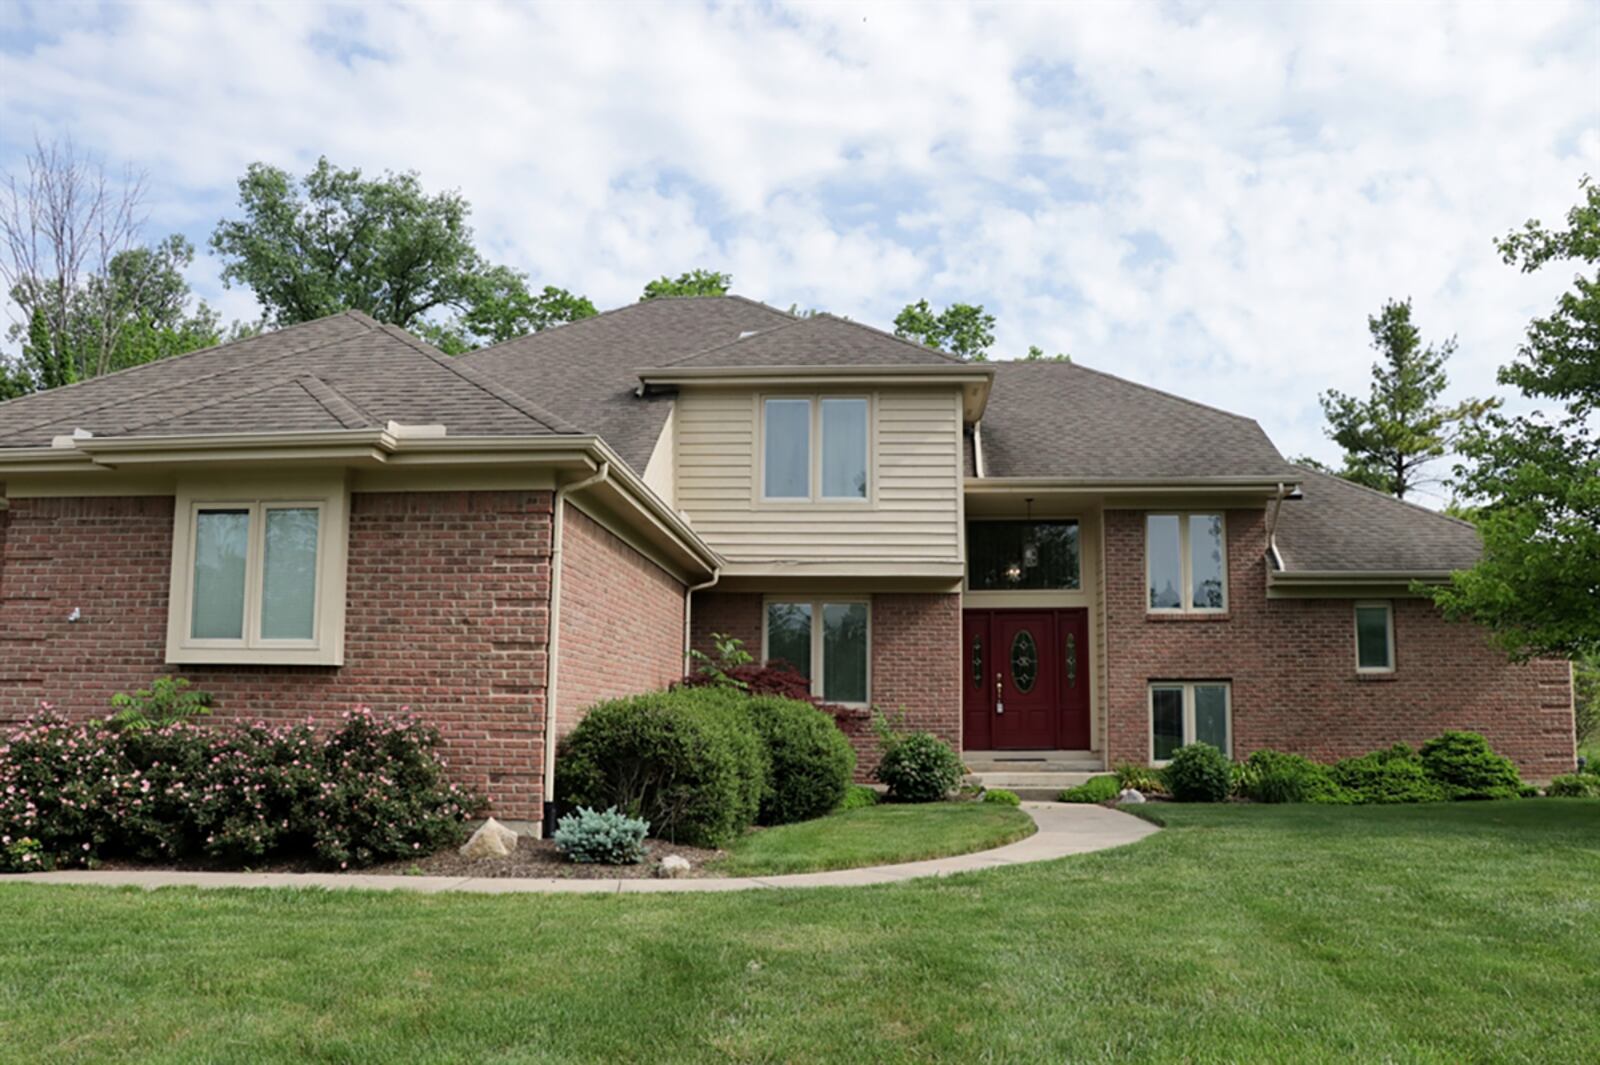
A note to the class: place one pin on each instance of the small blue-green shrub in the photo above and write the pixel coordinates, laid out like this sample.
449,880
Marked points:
609,838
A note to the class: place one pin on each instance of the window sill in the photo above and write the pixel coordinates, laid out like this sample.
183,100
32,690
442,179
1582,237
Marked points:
255,656
1181,616
1379,678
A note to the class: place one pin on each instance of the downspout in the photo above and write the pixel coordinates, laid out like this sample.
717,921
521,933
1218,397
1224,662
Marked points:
1272,526
553,639
977,447
688,599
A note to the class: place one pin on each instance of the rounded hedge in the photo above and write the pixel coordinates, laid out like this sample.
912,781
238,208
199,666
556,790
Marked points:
1468,768
686,760
1273,776
810,762
1395,775
1198,772
919,767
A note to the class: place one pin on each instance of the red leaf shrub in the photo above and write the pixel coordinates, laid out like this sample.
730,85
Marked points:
780,678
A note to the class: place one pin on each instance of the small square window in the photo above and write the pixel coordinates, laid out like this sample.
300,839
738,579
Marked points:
1186,563
816,449
827,641
1182,713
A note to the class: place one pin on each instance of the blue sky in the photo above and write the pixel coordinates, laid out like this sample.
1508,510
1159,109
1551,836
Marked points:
1207,198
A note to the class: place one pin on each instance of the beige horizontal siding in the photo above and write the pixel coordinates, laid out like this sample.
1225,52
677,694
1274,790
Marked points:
915,514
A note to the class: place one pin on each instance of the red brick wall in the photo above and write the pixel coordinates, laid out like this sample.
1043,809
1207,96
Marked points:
621,620
1291,663
916,657
447,600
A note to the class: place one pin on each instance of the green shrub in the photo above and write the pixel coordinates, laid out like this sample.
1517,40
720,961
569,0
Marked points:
1273,776
1467,768
1002,797
1198,772
857,796
919,767
1575,786
371,790
1095,789
1394,775
168,701
1141,778
688,761
810,762
609,838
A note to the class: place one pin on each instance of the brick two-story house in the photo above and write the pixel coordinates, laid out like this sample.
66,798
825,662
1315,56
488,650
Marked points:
1033,560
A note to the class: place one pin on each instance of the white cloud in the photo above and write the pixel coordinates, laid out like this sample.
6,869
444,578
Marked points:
1209,198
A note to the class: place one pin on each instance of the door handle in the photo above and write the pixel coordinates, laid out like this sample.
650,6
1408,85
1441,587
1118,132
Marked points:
999,695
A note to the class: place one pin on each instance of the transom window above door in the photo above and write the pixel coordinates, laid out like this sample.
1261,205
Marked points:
815,449
1022,555
1186,563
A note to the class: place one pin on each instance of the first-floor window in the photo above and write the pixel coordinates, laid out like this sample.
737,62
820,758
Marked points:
1184,713
825,640
257,580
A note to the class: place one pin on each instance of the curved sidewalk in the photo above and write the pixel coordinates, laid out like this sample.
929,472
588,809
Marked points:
1063,829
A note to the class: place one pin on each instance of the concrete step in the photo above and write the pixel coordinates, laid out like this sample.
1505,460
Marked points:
1041,786
1034,762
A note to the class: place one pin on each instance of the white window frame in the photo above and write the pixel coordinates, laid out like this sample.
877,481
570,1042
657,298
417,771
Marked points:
1187,687
1185,562
1355,622
816,603
326,646
814,497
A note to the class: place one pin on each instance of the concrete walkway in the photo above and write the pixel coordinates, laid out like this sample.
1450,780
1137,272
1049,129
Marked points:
1063,829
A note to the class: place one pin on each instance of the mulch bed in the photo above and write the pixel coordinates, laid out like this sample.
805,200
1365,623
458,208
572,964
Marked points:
532,858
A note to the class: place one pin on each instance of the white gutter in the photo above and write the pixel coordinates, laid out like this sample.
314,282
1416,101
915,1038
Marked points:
977,447
552,641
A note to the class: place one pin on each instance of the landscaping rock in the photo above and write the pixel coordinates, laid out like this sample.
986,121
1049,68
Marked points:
673,866
1130,795
493,840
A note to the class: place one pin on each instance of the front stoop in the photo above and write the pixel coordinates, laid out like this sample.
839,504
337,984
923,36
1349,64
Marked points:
1040,775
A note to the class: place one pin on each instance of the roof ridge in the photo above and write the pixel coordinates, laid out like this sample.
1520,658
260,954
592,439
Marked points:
243,393
1148,388
618,310
345,410
887,335
484,382
59,389
120,400
736,340
1384,495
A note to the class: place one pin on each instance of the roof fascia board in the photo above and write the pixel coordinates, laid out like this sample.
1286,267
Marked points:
975,379
1008,485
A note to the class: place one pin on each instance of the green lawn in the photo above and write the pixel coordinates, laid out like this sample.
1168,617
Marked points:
1451,933
876,835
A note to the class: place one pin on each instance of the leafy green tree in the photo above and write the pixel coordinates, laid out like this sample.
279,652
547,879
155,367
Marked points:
692,283
1390,437
963,329
1036,354
137,311
1537,586
336,241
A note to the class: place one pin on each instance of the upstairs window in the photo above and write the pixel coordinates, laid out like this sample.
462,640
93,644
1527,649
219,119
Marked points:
257,580
815,449
1374,638
1186,567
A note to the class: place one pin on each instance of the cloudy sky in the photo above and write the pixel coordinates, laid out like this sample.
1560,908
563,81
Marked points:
1207,198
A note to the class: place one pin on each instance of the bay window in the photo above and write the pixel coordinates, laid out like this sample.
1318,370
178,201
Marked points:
826,640
1186,563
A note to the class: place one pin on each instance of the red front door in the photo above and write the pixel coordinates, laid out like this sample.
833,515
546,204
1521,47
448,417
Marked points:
1026,679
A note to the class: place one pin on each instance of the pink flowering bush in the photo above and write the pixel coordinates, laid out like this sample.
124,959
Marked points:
372,789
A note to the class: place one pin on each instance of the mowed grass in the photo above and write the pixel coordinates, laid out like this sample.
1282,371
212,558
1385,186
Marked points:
876,835
1463,932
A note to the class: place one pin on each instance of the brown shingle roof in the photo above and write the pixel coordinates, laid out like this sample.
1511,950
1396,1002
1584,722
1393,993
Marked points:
588,370
1340,527
343,371
1057,419
821,340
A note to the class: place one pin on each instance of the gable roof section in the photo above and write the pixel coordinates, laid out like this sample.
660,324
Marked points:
820,340
588,369
341,372
1058,419
1340,527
